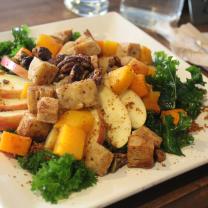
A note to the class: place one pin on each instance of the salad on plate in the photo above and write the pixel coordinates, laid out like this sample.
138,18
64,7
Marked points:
73,108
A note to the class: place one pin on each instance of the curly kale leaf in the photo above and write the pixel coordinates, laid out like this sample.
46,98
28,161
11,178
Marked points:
190,95
154,122
176,136
58,178
187,95
34,161
165,80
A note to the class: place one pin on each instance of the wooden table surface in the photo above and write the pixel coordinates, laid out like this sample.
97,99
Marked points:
188,190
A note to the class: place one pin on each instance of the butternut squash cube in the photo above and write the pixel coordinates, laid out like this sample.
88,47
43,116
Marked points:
120,79
145,55
50,43
109,48
151,101
138,67
14,144
71,140
79,119
139,85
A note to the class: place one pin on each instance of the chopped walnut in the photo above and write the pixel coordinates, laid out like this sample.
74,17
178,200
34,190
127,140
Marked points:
78,67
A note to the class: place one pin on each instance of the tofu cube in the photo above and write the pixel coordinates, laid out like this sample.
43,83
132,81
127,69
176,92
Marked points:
148,134
31,127
34,93
86,44
77,95
47,110
98,158
41,72
140,152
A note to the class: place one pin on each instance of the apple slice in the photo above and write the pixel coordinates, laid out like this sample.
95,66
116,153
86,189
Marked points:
13,67
10,119
13,104
11,86
116,117
135,107
51,139
97,133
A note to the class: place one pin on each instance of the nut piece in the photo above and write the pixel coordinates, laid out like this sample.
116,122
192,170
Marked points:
148,134
160,155
77,95
140,152
41,72
35,93
47,110
78,67
98,158
31,127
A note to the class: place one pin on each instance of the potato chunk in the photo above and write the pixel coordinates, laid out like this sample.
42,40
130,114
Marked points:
140,152
98,158
31,127
41,72
47,110
34,93
77,95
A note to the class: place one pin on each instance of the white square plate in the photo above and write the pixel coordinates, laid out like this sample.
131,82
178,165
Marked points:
14,182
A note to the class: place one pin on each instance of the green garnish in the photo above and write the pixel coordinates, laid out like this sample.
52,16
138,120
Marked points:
165,80
176,136
190,96
34,161
21,39
59,177
174,93
75,35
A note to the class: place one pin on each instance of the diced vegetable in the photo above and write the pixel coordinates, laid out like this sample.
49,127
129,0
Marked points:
139,85
25,89
49,42
14,144
138,67
79,119
13,67
145,55
71,140
108,48
120,79
151,101
175,113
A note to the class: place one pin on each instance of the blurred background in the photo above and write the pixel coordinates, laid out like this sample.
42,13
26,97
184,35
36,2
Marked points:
13,13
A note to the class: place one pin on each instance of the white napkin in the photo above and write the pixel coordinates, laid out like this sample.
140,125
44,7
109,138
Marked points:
187,42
